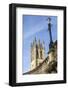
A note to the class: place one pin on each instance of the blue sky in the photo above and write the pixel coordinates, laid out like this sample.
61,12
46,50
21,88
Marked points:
36,26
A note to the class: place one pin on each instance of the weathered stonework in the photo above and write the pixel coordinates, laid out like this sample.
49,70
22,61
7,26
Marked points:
48,64
37,53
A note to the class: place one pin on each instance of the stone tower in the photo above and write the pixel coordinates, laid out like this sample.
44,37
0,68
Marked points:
37,53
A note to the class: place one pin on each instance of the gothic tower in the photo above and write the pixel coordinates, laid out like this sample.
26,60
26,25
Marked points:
37,53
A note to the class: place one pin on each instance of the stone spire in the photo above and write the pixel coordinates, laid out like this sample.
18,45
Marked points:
43,44
31,45
35,41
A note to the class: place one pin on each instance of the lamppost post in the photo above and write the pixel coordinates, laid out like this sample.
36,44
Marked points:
50,34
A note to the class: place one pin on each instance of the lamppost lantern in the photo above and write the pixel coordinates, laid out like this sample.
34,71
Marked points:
49,20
